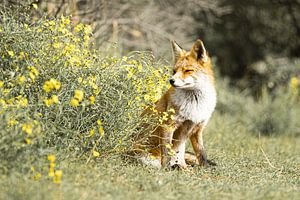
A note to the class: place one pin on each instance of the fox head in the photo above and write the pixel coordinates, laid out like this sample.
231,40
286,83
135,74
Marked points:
192,68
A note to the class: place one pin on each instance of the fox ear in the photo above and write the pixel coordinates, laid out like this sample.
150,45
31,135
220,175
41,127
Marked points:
198,51
177,51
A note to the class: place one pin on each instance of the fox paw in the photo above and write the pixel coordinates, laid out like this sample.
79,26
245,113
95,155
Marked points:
208,163
211,163
177,167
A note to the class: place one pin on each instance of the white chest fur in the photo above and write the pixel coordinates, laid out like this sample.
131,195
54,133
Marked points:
195,105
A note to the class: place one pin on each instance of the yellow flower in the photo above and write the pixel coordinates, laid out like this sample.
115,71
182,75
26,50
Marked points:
32,76
51,158
56,84
10,101
56,45
96,153
64,21
23,102
37,176
54,99
21,55
168,146
27,128
51,85
78,27
1,84
69,48
51,22
58,173
35,6
57,176
87,29
101,131
172,117
92,99
11,53
27,141
92,132
172,110
51,165
96,91
48,102
79,80
78,94
294,84
6,91
21,79
2,101
51,172
67,21
47,86
12,122
74,102
33,70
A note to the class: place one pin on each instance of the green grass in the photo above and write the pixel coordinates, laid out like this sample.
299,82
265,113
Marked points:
249,167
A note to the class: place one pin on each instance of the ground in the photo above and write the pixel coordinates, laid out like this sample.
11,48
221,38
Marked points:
249,167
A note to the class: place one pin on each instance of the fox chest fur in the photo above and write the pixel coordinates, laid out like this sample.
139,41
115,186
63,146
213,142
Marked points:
194,105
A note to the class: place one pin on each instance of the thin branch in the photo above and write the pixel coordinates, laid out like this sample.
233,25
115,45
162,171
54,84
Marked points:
59,8
265,155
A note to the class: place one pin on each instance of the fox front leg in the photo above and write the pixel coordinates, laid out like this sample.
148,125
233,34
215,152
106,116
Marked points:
197,143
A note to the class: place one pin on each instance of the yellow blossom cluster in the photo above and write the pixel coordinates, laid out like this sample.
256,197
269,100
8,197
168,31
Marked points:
165,116
78,97
100,128
33,72
49,86
28,128
95,153
294,85
52,100
55,174
52,84
150,88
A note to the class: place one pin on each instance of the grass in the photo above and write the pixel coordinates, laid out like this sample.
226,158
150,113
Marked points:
249,167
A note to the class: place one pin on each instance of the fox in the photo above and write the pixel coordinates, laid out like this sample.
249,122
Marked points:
192,96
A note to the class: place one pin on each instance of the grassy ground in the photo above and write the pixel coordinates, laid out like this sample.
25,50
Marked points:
249,167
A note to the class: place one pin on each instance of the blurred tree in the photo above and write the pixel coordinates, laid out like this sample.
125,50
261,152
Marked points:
253,30
139,25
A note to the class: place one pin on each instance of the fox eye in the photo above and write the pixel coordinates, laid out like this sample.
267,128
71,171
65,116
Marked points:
174,71
188,70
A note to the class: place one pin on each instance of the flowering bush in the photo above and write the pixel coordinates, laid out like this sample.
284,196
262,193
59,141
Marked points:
58,93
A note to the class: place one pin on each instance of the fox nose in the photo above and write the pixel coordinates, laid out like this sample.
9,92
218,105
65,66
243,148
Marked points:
172,81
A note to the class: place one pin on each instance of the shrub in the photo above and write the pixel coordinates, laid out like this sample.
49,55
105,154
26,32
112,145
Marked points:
271,114
59,94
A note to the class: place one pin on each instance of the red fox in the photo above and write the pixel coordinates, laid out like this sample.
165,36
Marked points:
192,97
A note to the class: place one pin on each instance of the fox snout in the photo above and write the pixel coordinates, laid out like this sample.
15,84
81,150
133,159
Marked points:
172,82
182,83
176,82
